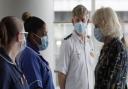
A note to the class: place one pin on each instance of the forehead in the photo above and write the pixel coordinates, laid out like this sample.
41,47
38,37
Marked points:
80,17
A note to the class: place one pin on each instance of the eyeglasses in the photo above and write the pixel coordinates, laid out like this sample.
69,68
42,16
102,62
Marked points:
25,34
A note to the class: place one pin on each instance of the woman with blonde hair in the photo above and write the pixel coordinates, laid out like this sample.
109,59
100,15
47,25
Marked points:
111,69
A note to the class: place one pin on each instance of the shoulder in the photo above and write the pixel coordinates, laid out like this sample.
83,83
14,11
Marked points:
67,40
3,64
4,67
118,45
69,36
29,54
28,50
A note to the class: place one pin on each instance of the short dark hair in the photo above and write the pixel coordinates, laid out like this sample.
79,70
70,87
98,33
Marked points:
33,24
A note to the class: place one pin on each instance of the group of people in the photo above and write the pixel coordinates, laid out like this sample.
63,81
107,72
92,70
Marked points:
21,64
23,67
77,66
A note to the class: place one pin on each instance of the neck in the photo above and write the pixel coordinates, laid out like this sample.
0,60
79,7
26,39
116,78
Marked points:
107,40
82,36
33,41
12,52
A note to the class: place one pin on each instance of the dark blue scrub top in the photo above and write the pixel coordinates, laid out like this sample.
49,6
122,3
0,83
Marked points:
35,68
11,76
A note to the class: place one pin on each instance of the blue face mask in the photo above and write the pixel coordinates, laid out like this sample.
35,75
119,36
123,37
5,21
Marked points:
80,27
98,34
44,43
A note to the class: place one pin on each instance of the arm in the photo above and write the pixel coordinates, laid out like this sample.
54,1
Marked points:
63,63
61,79
4,76
31,69
118,70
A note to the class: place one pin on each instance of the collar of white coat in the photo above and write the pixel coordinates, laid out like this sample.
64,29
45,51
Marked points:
77,37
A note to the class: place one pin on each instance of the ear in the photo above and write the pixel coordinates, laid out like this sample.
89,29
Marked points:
73,21
19,37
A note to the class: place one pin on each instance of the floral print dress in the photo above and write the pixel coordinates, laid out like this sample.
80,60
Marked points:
112,66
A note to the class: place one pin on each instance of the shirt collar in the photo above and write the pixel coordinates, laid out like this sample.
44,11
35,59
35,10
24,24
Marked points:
43,59
36,49
77,37
4,55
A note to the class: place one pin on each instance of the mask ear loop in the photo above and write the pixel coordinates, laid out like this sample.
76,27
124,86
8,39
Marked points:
36,35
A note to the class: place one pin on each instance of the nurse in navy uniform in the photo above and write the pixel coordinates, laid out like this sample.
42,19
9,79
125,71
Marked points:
12,41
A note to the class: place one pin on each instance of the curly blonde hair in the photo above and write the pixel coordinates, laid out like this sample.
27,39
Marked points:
107,20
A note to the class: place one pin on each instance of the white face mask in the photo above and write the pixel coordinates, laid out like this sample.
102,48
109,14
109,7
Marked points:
80,27
22,43
22,46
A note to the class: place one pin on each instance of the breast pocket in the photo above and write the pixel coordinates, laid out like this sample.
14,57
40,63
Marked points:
77,56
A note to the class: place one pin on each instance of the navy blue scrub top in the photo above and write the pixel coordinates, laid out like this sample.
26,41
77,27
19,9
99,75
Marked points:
35,68
11,76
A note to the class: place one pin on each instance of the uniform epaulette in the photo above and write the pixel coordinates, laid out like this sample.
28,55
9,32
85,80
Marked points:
68,37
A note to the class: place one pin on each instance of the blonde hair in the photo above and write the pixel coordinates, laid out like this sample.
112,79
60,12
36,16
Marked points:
107,20
79,11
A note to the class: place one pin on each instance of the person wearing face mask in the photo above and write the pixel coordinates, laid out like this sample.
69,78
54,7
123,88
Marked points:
112,66
75,65
12,39
33,65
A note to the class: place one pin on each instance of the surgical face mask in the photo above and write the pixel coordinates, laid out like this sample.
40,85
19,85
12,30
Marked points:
23,42
80,27
98,34
44,42
23,45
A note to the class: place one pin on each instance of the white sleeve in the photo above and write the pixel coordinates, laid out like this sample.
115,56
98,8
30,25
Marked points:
63,61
